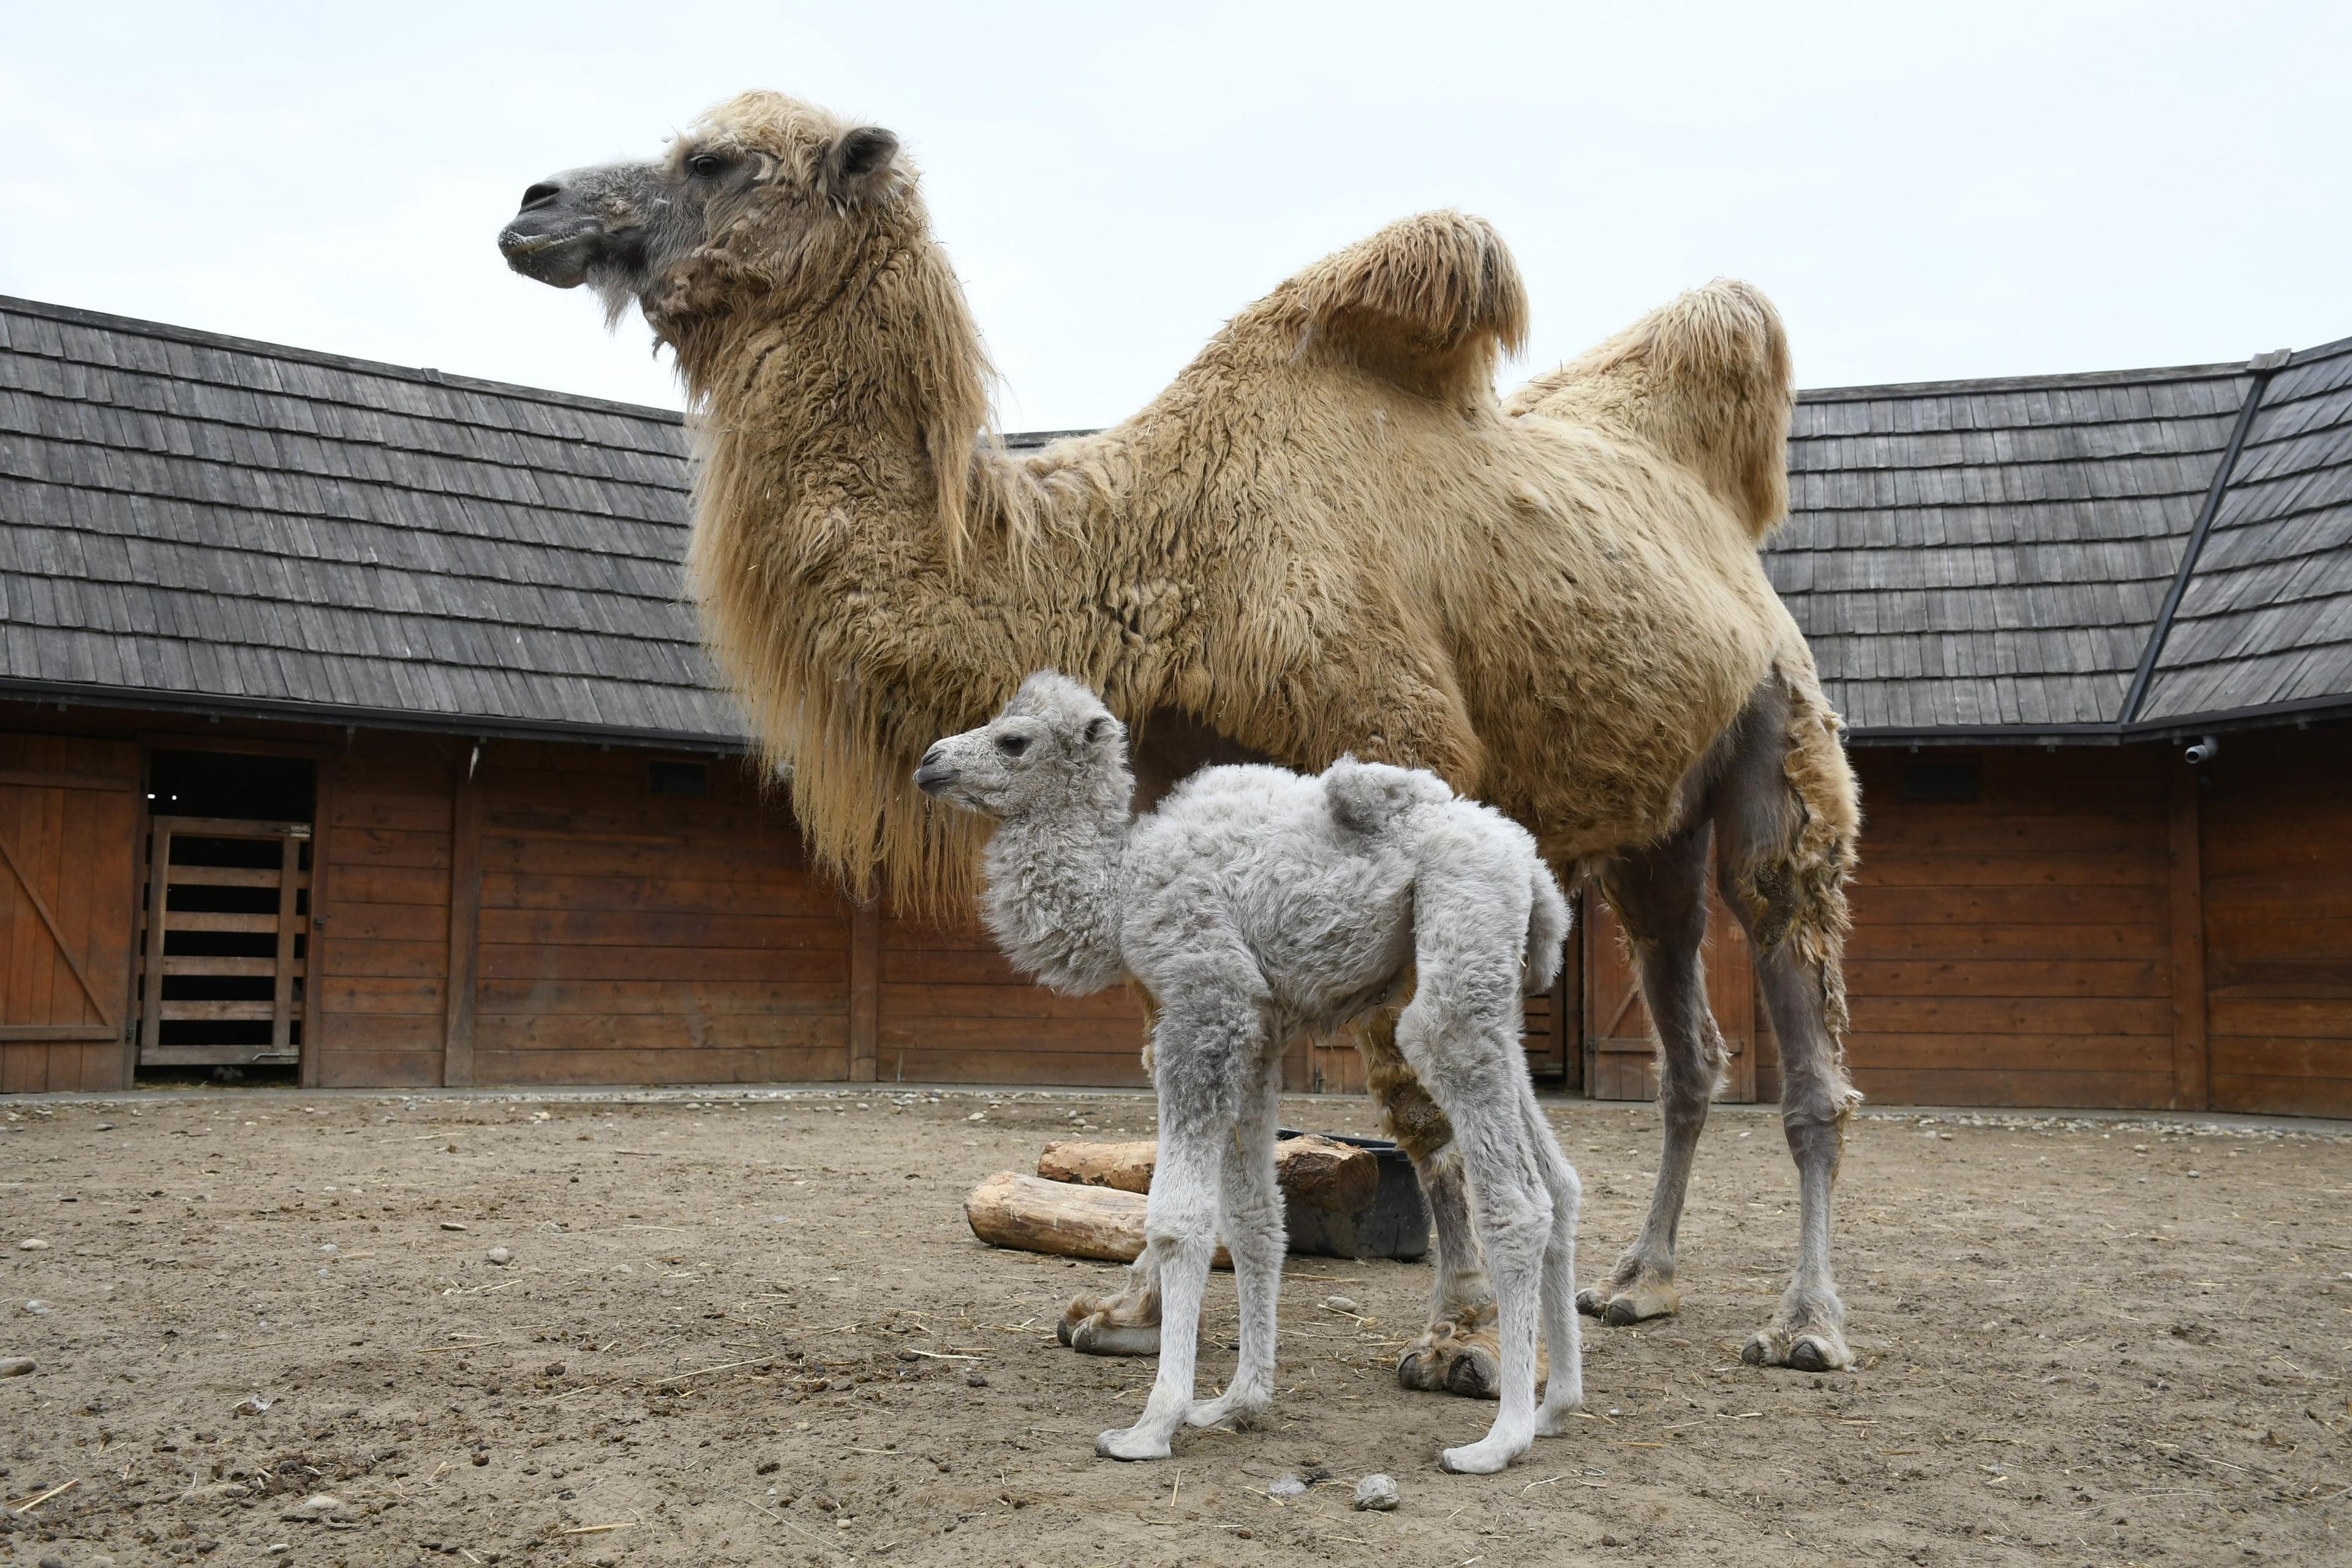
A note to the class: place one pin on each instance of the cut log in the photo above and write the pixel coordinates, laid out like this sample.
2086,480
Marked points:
1319,1173
1324,1173
1063,1218
1126,1166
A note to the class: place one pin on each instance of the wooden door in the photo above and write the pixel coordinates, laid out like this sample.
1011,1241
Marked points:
226,942
68,828
1621,1057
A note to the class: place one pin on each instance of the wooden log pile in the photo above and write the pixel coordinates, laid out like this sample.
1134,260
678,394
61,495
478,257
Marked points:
1088,1200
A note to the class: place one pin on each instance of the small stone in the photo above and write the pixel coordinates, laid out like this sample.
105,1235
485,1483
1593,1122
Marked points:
318,1505
454,1225
1339,1303
1608,1540
37,1308
1286,1486
500,1256
768,1466
977,1116
1377,1493
481,1459
53,1562
972,1380
554,1369
32,1244
15,1367
251,1404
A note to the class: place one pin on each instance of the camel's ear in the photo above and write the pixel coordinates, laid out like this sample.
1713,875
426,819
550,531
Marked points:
1094,728
859,160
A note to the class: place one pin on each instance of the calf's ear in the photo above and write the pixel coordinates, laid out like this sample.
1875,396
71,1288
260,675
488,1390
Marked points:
859,161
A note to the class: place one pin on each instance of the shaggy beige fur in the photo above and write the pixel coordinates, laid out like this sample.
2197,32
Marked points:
1325,535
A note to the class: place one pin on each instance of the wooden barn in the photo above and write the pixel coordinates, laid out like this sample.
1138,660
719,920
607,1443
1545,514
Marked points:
351,728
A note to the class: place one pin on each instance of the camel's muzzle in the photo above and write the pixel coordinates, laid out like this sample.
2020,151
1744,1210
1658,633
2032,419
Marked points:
935,775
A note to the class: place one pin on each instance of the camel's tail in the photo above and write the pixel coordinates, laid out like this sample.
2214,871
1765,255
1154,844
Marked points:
1707,381
1547,926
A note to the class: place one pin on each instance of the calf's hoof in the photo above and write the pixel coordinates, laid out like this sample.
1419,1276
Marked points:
1131,1444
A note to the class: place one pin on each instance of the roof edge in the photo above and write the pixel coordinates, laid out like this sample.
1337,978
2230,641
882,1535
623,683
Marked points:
166,331
278,710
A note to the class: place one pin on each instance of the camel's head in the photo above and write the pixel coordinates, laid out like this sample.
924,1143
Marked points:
736,200
1054,747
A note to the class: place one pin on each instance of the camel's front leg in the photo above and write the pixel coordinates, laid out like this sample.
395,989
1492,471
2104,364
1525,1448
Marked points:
1660,896
1206,1062
1251,1218
1182,1224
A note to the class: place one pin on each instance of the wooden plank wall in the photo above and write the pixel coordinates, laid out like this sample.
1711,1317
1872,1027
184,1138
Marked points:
381,882
2015,949
952,1011
2276,818
628,937
70,815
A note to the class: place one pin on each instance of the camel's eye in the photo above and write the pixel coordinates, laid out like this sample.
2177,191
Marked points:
706,165
1012,745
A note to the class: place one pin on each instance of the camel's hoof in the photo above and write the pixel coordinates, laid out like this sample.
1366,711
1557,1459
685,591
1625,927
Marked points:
1452,1358
1637,1301
1487,1456
1816,1349
1094,1337
1091,1327
1126,1445
1445,1361
1552,1421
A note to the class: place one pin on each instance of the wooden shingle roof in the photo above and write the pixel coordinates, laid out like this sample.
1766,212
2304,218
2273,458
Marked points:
204,519
2265,620
199,521
1996,553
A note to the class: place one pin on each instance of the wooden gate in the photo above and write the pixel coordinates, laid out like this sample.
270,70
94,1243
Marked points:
239,917
1621,1057
69,821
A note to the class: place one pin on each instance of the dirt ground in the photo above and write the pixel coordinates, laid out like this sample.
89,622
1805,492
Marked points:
754,1329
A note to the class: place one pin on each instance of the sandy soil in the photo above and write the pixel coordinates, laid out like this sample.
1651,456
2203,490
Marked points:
755,1330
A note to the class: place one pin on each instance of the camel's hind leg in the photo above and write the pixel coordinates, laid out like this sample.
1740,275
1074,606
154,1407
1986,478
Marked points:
1785,813
1461,1035
1660,897
1457,1353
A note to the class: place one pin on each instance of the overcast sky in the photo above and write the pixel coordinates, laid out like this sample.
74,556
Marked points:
1928,192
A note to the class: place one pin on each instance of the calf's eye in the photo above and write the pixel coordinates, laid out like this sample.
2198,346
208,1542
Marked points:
1012,745
704,165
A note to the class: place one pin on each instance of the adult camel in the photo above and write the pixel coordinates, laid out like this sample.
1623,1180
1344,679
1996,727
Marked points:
1327,535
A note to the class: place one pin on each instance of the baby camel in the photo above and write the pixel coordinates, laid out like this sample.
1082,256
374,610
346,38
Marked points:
1255,905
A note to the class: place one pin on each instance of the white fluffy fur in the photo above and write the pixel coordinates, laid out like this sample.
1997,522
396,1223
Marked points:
1254,905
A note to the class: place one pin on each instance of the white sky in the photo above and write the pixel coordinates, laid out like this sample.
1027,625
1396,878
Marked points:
1978,189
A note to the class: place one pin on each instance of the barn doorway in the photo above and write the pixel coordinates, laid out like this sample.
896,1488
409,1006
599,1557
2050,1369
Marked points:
224,947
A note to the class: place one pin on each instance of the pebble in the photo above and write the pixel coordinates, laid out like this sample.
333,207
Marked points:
1339,1303
1377,1493
37,1308
453,1225
500,1256
1286,1486
318,1505
32,1244
16,1366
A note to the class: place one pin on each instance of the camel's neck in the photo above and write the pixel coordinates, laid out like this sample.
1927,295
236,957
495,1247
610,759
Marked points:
1053,896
